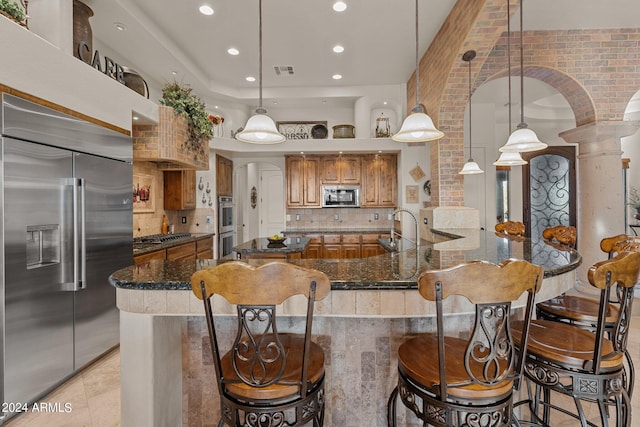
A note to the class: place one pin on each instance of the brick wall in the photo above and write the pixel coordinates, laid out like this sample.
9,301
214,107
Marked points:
597,71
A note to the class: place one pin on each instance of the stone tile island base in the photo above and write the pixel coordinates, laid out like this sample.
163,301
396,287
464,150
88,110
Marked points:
360,367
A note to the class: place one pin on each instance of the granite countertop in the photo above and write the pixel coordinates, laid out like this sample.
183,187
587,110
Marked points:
143,248
336,231
392,270
262,245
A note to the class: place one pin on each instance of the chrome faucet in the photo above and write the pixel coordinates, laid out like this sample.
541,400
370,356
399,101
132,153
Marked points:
393,215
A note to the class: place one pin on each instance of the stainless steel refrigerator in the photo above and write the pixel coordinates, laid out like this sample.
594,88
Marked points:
66,215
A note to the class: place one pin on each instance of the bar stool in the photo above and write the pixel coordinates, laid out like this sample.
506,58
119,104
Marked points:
267,378
579,363
469,380
511,228
563,234
583,311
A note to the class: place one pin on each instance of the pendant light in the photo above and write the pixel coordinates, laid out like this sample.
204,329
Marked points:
418,126
260,128
523,139
509,158
471,167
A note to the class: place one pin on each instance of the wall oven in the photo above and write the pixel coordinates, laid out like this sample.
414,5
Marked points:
226,226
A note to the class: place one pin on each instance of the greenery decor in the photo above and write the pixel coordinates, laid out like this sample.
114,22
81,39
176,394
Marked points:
12,9
184,102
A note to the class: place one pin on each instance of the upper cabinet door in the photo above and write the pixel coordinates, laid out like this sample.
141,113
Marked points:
224,176
341,170
303,181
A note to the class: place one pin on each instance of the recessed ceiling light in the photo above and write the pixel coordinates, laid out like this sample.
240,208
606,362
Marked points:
338,49
120,26
251,79
136,118
174,73
205,9
339,6
336,76
384,103
216,107
233,51
275,102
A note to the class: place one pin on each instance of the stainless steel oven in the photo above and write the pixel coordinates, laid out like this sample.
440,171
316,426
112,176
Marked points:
226,226
225,214
225,244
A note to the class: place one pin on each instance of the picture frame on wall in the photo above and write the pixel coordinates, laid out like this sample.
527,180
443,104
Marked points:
144,188
412,193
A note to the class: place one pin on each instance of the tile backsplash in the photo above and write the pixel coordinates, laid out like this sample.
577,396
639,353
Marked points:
339,218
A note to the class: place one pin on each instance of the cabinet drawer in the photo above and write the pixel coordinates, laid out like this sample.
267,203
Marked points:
314,238
139,259
370,238
331,238
182,251
350,238
203,245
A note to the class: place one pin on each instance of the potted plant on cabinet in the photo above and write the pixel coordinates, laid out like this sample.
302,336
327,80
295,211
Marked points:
13,11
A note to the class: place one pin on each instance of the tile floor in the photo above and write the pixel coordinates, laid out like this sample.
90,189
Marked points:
94,395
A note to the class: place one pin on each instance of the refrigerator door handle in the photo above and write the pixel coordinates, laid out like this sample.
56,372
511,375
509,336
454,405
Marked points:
79,238
77,251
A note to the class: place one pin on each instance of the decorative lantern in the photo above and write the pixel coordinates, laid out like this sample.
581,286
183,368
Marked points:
382,127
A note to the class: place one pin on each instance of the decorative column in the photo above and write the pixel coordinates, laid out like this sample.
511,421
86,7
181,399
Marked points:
601,204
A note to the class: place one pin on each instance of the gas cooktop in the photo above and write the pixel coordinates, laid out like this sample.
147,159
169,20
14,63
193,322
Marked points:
161,238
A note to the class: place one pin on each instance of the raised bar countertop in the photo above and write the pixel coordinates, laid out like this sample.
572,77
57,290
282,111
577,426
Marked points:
393,270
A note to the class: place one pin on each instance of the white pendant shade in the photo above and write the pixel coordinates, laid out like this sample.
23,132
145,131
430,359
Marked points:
522,140
417,127
510,158
470,168
260,129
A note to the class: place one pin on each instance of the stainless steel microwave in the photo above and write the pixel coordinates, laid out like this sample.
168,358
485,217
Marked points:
340,196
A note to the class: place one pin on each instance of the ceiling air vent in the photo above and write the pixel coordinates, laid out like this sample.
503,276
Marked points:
283,70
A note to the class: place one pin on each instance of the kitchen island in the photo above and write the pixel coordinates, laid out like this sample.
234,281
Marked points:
373,305
289,248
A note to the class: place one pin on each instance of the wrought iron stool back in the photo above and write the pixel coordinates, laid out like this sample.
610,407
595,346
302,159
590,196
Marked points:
267,377
469,379
582,310
582,363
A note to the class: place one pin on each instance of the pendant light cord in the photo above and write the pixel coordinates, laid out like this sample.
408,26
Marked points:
509,56
417,62
522,123
260,51
470,133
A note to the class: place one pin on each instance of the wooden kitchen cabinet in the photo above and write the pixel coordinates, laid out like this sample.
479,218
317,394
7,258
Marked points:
314,248
379,181
224,176
185,251
331,246
370,246
179,190
303,185
139,259
350,246
204,248
341,170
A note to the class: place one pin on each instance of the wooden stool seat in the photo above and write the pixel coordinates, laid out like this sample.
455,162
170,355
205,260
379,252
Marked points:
568,345
575,308
287,387
418,361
